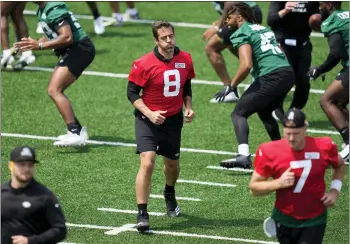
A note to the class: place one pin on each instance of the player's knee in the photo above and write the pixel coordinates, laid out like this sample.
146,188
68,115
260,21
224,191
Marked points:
209,49
53,91
325,101
4,24
147,162
173,166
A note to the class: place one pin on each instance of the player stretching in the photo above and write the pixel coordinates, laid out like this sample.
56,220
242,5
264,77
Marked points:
218,38
298,168
165,76
257,48
75,51
335,27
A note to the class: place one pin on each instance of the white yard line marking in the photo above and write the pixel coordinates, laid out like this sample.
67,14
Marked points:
177,198
131,227
67,243
205,183
328,132
123,144
128,211
232,169
145,21
125,76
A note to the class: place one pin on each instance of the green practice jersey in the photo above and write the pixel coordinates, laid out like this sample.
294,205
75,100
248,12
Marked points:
338,22
52,15
267,55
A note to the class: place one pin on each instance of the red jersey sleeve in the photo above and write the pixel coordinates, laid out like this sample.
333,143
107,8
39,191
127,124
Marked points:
138,74
191,73
331,155
262,164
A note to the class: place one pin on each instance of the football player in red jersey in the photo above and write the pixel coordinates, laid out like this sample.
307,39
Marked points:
164,76
298,165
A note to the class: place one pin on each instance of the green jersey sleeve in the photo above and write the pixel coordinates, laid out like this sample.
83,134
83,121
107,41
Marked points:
239,39
57,14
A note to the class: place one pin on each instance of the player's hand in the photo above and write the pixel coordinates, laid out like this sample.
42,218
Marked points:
209,33
26,44
189,115
330,198
220,96
314,73
156,117
287,179
290,6
19,240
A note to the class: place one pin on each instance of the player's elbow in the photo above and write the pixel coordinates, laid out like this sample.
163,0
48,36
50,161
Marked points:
67,39
247,65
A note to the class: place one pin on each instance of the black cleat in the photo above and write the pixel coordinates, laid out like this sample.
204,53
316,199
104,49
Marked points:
173,209
240,161
142,222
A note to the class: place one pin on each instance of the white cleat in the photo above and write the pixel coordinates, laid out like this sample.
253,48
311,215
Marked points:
119,19
71,139
7,59
39,30
345,153
26,58
231,97
99,26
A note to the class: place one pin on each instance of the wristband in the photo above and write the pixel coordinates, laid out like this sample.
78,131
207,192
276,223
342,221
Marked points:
336,184
41,45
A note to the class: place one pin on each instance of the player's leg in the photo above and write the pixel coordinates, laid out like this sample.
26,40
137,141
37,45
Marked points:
302,81
169,148
116,13
21,28
147,142
69,68
6,57
291,55
215,45
99,28
312,235
287,235
338,92
132,10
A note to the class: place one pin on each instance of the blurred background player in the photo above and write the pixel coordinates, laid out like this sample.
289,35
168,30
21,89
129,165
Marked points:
335,27
166,89
298,168
290,23
131,12
274,77
75,51
15,10
30,212
218,39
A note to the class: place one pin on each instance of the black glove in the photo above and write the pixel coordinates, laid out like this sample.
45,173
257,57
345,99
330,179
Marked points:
220,96
314,73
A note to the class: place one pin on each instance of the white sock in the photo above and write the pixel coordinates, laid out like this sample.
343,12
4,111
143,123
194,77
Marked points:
243,149
118,16
132,11
27,53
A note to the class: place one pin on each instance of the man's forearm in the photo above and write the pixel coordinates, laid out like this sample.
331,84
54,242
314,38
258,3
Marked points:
188,102
241,74
262,188
141,106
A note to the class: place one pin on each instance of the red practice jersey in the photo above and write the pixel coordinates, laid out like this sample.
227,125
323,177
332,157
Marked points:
162,82
302,200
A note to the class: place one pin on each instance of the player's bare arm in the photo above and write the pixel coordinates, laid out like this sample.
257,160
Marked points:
245,64
64,39
155,117
338,172
262,186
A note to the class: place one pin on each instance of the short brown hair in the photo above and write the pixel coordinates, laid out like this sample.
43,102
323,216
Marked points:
159,24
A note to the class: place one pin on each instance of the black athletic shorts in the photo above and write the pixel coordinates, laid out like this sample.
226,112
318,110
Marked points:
343,76
224,33
308,235
266,93
163,139
77,57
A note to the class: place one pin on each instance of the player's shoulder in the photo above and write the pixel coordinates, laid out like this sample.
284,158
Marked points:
144,60
324,142
335,22
40,189
51,6
185,55
5,186
271,148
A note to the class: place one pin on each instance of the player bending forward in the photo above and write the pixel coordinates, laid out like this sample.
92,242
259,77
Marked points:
165,76
298,168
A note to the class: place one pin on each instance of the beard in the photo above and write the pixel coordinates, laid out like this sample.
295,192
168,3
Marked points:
324,14
23,180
